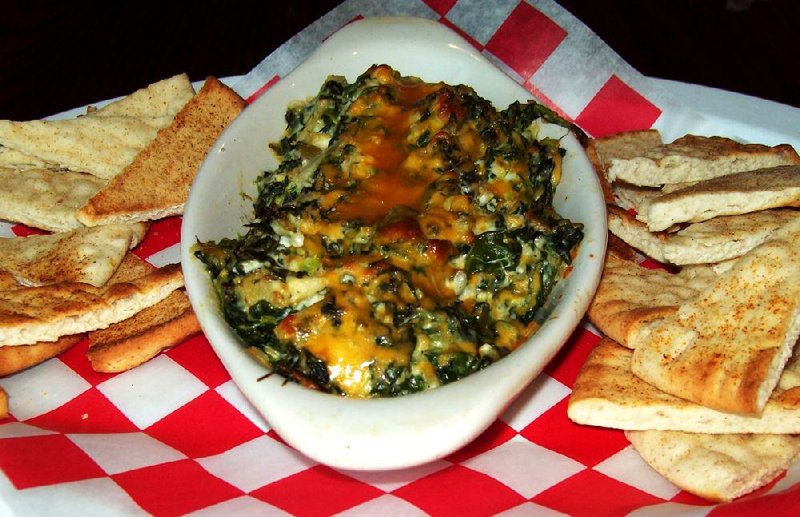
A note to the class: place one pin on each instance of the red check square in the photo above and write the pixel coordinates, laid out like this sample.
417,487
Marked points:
161,235
526,39
215,425
586,444
617,107
89,412
477,493
441,6
175,488
596,491
197,356
56,458
317,491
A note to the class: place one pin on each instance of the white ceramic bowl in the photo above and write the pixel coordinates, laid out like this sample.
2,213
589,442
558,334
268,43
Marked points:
380,433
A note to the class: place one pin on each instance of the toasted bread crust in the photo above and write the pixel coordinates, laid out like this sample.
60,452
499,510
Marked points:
129,343
14,359
156,184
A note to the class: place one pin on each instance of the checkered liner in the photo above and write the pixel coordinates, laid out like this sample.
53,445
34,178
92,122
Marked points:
175,436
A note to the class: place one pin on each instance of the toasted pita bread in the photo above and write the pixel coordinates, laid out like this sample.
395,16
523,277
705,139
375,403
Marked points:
716,467
45,199
88,255
14,159
101,146
625,146
716,240
608,394
138,339
33,314
7,281
734,194
14,359
692,158
3,404
727,347
620,146
630,296
157,183
131,342
164,98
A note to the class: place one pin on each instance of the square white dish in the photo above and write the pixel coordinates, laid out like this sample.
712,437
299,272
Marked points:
379,434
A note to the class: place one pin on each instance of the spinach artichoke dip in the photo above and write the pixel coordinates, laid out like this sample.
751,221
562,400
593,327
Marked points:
405,241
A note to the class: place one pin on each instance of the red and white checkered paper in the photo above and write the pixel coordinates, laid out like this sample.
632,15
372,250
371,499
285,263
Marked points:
175,436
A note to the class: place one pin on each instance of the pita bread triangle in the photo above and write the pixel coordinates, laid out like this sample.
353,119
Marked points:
101,143
88,255
689,158
32,314
45,199
163,98
721,238
157,183
713,466
727,347
141,337
733,194
608,394
630,296
101,146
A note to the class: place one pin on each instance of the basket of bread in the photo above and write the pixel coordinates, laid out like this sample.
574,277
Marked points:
699,309
83,192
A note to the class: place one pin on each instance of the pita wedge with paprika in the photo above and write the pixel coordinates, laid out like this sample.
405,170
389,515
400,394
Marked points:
88,255
29,315
708,242
157,183
726,347
608,394
630,296
138,339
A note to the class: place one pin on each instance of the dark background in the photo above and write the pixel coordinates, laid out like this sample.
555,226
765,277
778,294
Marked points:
59,55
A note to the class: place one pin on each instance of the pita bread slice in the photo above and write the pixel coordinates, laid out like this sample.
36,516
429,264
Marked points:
101,146
3,404
14,359
727,347
695,158
719,239
7,281
138,339
630,296
88,255
16,160
164,98
33,314
622,146
45,199
608,394
738,193
716,467
157,183
131,342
